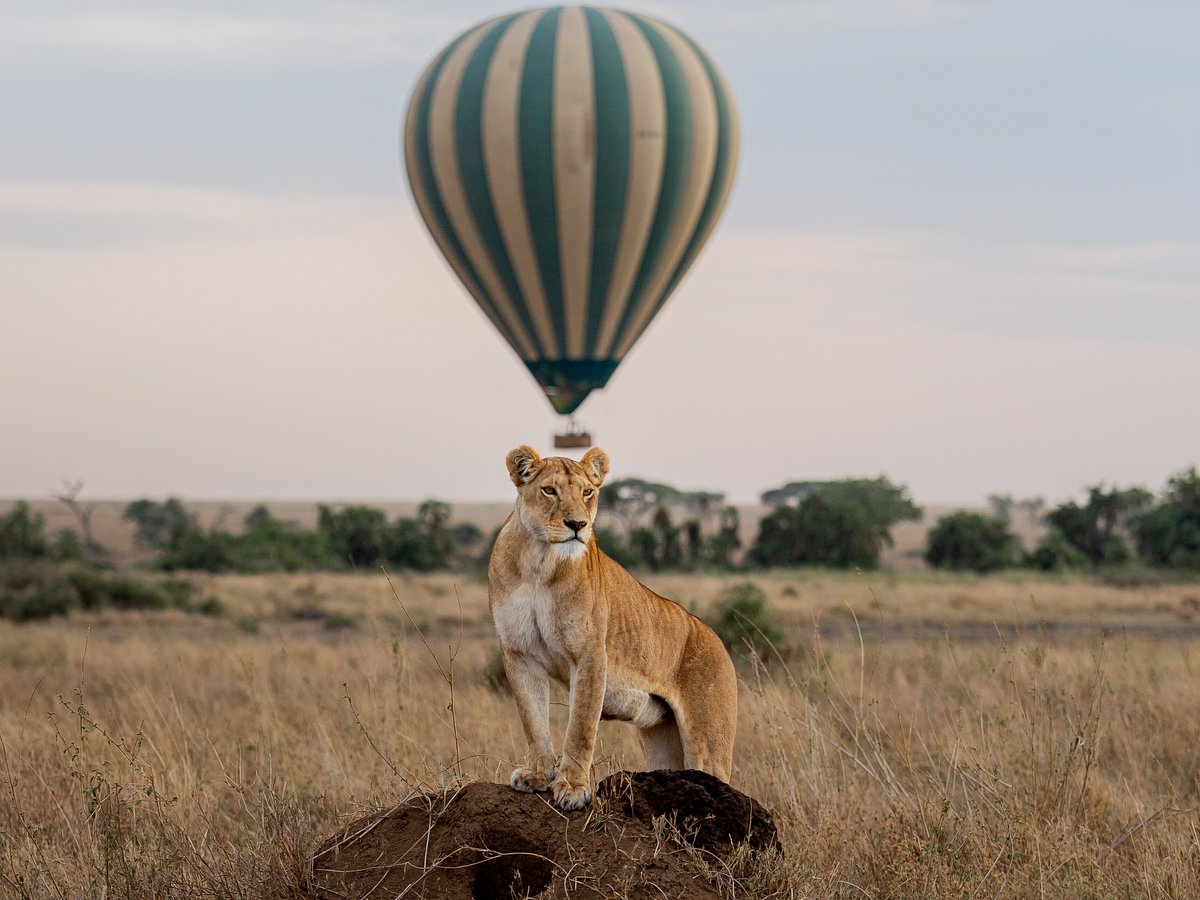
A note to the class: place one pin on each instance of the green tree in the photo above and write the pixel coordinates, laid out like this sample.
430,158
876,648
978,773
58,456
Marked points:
670,552
1054,553
967,541
632,499
466,541
156,522
357,535
881,503
23,533
615,545
1169,534
1099,527
817,532
727,540
644,545
434,516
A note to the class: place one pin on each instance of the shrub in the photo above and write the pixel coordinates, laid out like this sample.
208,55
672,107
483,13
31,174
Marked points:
882,503
157,522
38,590
1054,553
616,547
1098,528
1169,534
198,550
68,546
743,622
22,534
817,532
36,601
493,675
967,541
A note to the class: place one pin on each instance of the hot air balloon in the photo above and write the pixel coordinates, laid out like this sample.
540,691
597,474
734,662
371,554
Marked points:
570,163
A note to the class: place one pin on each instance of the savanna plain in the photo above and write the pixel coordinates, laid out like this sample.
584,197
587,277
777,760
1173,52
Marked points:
916,735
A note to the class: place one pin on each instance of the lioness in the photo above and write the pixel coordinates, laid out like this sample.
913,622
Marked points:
565,610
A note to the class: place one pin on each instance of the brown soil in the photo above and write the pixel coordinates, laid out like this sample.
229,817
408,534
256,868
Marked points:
489,842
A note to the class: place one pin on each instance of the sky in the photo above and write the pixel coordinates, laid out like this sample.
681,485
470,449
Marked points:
962,250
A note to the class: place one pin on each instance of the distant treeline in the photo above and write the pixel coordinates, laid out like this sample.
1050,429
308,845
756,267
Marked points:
837,524
1114,527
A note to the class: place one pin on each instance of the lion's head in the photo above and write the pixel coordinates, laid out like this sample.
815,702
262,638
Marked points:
557,496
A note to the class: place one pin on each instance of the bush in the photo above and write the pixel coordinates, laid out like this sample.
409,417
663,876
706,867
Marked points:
493,675
612,543
882,503
967,541
22,534
818,532
157,522
39,590
1098,528
1054,553
1169,534
27,602
743,622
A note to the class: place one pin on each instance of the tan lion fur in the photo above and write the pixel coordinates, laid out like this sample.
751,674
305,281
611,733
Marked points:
565,610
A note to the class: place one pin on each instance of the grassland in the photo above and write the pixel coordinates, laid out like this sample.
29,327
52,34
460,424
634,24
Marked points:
918,736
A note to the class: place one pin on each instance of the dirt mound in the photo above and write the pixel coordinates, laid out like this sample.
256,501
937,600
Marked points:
489,842
713,816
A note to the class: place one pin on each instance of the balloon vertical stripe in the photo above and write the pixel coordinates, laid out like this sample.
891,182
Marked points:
691,146
574,171
647,151
570,164
502,159
722,176
612,132
419,166
443,141
536,117
468,133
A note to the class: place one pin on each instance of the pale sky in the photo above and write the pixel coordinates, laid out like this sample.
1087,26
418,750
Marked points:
963,249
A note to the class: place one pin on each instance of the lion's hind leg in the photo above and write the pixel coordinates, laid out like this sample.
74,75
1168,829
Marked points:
663,746
707,716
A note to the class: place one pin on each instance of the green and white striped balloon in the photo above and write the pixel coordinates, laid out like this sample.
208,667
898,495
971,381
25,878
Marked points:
570,163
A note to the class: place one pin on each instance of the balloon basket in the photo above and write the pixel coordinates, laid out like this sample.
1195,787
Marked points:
573,438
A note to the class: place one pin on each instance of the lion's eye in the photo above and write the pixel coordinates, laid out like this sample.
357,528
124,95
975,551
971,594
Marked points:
587,494
548,491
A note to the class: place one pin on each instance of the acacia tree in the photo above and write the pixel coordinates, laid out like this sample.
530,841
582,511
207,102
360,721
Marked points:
817,533
1169,534
157,522
1100,527
727,540
632,499
881,503
69,497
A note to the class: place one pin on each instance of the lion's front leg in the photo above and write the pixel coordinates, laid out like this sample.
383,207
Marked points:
530,685
572,788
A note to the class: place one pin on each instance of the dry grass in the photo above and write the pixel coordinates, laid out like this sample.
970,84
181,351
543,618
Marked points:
163,755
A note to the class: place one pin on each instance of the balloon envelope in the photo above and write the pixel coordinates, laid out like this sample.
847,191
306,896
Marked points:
570,163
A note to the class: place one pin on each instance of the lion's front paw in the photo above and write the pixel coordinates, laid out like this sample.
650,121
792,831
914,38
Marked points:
570,795
530,780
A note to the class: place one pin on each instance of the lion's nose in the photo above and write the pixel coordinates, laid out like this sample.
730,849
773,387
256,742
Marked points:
575,525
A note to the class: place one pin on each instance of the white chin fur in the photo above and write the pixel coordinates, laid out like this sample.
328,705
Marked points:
569,549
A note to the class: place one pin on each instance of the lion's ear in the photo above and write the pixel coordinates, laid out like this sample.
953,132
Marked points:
595,463
523,464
